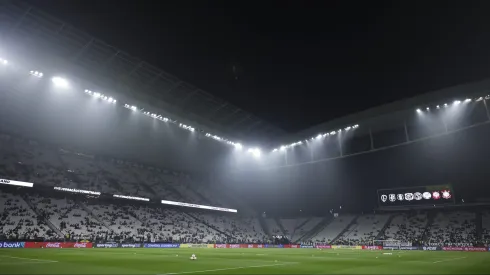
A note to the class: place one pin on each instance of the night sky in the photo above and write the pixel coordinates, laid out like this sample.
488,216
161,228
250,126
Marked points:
297,63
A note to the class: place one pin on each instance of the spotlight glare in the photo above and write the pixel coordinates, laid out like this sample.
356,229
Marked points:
60,82
238,146
438,107
319,136
418,111
456,102
36,74
428,109
467,100
283,148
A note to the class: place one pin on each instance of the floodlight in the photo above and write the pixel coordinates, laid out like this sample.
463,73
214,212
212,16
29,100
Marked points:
60,82
238,146
275,149
347,128
256,153
36,74
3,61
456,102
418,111
437,107
283,148
467,100
428,109
319,136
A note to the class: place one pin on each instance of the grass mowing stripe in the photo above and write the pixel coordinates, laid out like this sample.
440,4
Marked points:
224,269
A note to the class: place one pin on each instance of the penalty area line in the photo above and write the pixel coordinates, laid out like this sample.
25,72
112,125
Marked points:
37,260
22,263
224,269
446,260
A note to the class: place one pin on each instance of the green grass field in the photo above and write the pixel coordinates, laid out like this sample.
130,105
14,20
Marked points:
239,261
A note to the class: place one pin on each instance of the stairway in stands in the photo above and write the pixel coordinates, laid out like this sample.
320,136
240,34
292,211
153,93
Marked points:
319,227
382,231
345,229
280,226
38,213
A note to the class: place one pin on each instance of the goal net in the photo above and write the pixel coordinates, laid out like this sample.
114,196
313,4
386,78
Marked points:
388,244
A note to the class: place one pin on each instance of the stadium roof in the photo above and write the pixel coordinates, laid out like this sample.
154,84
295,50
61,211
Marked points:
381,116
110,67
33,33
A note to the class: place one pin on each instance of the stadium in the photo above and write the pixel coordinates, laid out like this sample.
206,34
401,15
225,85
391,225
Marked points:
104,156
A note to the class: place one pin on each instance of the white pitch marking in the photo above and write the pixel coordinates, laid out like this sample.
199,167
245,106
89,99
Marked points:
452,259
223,269
18,263
40,260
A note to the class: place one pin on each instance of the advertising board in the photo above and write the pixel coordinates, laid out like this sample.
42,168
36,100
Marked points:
469,249
130,245
105,245
372,247
12,244
57,245
161,245
194,245
400,247
431,248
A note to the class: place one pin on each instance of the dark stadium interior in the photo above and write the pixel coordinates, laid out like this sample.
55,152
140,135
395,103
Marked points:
133,134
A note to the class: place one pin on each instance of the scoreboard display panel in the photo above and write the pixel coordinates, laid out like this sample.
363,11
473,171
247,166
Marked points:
416,196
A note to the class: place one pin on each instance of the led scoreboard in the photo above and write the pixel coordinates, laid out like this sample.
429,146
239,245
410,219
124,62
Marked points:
416,196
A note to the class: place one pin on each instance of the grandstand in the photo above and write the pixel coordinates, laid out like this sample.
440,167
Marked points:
131,165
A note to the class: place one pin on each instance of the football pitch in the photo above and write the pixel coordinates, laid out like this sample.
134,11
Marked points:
239,261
